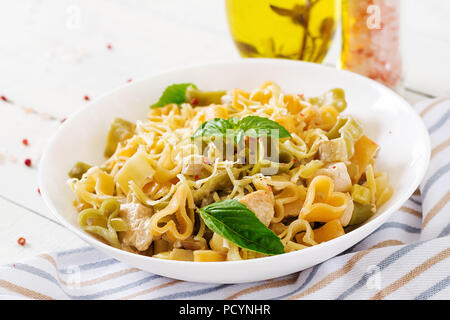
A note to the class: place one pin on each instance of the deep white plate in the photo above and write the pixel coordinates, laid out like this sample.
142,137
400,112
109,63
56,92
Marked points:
387,119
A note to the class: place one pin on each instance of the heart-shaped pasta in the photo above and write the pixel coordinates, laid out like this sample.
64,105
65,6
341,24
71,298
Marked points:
322,204
162,222
103,221
94,188
294,228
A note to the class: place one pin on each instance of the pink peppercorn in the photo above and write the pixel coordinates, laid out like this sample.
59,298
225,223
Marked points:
194,101
21,241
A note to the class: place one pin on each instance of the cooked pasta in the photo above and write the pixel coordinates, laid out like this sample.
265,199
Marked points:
232,175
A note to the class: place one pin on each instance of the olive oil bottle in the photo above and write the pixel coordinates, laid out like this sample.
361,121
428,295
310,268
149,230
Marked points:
290,29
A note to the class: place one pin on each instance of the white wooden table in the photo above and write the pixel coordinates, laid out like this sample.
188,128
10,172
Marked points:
55,52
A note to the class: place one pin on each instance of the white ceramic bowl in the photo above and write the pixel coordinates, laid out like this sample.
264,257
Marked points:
386,117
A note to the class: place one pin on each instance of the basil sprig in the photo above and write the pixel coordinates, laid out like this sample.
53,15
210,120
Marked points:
251,126
235,222
175,93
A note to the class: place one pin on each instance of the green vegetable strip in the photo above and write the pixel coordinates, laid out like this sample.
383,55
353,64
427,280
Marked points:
334,97
347,129
334,132
204,98
361,194
78,170
352,128
119,130
361,213
310,168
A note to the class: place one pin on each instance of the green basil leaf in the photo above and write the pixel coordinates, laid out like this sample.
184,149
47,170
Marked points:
176,93
213,128
252,126
234,122
235,222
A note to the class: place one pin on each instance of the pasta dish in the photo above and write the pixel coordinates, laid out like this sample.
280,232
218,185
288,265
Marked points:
231,175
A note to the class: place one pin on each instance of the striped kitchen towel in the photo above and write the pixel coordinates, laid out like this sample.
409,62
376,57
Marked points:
406,258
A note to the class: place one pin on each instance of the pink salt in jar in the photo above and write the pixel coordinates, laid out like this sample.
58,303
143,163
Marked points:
371,40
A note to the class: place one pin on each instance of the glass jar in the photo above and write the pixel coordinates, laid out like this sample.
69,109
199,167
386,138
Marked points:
291,29
371,40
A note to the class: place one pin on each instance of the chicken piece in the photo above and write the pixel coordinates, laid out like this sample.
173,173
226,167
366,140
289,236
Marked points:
137,218
338,172
261,203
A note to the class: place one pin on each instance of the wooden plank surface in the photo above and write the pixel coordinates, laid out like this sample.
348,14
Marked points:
55,52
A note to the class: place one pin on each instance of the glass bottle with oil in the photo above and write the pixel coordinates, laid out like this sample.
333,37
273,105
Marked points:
290,29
